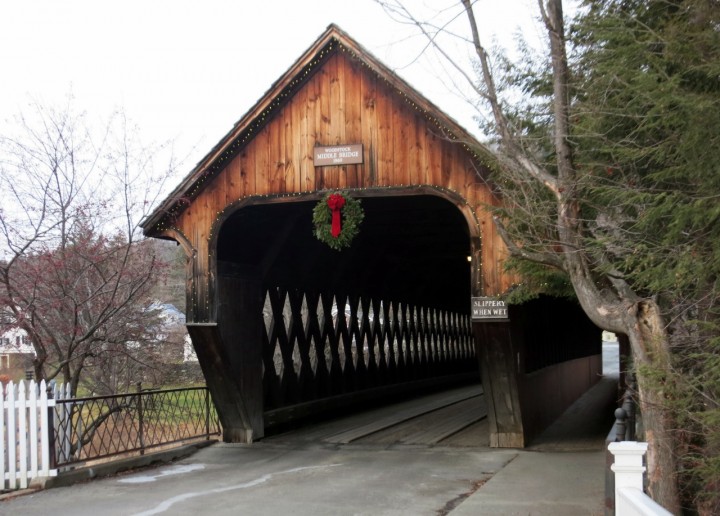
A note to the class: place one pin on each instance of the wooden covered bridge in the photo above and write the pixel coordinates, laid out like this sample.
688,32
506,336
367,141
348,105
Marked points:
286,327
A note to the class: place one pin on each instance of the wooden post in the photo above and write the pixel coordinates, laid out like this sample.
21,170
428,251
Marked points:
240,305
222,383
141,419
498,366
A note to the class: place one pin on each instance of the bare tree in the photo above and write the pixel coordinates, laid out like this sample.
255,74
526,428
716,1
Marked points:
73,273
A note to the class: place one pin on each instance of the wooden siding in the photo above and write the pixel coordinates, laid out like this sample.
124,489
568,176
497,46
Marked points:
343,101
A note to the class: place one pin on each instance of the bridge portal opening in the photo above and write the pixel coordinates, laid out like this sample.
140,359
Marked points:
385,317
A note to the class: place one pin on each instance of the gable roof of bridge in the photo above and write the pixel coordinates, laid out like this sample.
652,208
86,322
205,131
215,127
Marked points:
332,40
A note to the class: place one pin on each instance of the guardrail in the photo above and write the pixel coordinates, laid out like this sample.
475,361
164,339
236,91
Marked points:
630,497
93,428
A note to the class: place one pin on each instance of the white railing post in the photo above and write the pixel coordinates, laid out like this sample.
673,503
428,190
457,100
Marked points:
630,498
628,466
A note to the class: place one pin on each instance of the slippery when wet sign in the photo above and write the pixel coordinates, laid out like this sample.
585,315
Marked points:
488,309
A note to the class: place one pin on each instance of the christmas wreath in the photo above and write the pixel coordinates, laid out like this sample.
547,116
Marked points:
337,218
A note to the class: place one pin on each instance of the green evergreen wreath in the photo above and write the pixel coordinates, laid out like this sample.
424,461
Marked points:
350,215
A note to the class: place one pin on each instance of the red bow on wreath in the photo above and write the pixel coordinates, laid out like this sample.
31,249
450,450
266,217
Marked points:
335,202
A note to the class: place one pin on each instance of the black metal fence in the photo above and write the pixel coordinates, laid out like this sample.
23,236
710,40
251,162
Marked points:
92,428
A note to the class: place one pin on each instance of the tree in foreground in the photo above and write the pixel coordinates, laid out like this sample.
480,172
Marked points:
608,159
73,273
648,135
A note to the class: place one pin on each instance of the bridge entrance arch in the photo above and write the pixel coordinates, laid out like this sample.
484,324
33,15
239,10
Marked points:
328,328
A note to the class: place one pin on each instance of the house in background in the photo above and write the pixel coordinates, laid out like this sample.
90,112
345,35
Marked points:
16,353
172,325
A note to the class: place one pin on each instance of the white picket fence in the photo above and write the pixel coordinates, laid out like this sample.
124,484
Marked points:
24,434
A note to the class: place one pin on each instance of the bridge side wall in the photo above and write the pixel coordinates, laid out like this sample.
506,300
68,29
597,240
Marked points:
560,358
546,394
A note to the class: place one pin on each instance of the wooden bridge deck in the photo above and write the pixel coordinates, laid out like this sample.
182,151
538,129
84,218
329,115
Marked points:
456,417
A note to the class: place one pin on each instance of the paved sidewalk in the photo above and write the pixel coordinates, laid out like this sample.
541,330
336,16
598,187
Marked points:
562,472
541,483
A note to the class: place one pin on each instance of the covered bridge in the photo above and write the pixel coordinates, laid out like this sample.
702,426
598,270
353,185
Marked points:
286,327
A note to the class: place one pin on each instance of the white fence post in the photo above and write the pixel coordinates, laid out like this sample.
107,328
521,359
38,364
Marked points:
63,422
11,435
45,470
630,498
24,448
3,432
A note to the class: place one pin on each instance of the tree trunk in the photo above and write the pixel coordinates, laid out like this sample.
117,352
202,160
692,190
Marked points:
649,341
38,368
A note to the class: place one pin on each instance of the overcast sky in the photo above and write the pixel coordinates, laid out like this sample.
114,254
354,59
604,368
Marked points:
187,70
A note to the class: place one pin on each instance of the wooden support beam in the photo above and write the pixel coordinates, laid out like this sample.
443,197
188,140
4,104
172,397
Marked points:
240,304
223,384
229,353
498,366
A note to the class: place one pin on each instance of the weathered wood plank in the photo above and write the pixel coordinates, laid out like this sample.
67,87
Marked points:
400,129
347,422
276,155
247,175
336,114
406,413
386,150
313,109
232,182
418,162
368,91
260,155
337,99
238,419
352,99
290,158
304,139
496,354
448,421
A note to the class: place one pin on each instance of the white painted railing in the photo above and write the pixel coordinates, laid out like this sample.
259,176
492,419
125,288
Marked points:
630,499
24,434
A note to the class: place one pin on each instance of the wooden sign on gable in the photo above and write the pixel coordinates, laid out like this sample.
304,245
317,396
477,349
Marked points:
350,154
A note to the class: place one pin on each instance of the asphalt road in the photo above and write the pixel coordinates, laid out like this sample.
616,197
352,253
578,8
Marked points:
261,479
